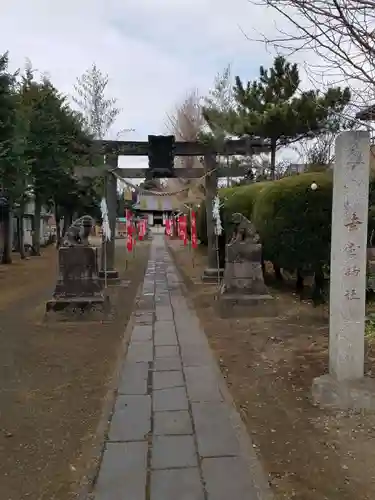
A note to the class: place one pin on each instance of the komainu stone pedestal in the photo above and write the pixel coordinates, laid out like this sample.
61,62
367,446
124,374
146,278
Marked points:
212,275
240,305
113,277
78,291
243,291
359,394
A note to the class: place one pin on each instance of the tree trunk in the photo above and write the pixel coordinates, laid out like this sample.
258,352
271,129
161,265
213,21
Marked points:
8,236
21,232
277,271
211,191
317,294
299,282
16,233
67,222
65,225
222,251
263,264
58,228
36,224
273,159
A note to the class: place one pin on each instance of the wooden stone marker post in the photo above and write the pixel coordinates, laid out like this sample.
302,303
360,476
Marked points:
346,386
348,256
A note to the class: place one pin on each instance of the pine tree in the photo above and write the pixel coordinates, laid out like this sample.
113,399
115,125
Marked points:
271,108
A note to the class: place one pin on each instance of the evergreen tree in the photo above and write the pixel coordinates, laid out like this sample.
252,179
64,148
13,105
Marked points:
39,139
7,130
270,108
54,134
13,169
99,112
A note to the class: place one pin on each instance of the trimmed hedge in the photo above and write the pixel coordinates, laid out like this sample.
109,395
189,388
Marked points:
235,199
239,199
371,226
294,222
242,198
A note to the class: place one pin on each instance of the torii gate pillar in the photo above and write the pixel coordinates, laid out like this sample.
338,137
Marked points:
108,247
212,272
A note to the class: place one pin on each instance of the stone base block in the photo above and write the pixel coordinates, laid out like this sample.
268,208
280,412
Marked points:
233,305
112,276
78,308
77,273
359,394
210,275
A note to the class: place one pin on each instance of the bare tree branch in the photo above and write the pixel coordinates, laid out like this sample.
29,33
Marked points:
185,123
340,32
319,152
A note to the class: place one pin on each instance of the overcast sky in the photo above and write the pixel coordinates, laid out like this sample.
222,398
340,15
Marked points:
154,51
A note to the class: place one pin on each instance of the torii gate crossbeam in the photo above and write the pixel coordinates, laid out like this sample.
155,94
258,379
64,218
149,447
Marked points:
113,149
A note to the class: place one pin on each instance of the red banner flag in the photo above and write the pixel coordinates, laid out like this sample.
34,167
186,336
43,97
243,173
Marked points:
143,228
194,240
184,230
129,231
129,242
168,227
140,227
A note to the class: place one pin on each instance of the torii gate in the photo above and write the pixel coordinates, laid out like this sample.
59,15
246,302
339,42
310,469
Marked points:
111,150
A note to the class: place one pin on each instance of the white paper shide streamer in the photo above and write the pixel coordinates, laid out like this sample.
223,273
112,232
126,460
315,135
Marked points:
105,227
216,216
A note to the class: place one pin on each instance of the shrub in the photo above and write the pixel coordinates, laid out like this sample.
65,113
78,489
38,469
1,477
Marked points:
294,222
372,191
371,226
242,198
236,199
239,199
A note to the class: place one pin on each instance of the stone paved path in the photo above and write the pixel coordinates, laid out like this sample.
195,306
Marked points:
173,435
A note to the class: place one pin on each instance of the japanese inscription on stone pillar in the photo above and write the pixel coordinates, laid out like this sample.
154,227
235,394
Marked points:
348,255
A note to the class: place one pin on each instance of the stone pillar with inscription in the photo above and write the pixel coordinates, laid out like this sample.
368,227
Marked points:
345,386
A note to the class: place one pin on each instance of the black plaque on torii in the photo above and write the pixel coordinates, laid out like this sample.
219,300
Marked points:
243,146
